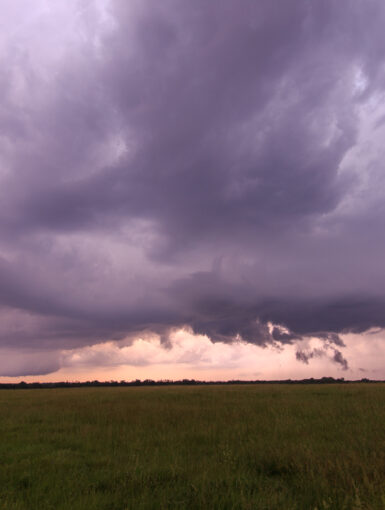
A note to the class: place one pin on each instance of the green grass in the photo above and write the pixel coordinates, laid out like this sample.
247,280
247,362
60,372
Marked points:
226,447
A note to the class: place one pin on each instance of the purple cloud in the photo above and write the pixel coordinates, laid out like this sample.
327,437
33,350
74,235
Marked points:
216,165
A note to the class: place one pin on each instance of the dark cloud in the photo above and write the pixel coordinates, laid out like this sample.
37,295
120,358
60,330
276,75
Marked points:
35,362
338,358
305,355
192,163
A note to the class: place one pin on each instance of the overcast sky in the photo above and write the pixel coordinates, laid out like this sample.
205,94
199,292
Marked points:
192,188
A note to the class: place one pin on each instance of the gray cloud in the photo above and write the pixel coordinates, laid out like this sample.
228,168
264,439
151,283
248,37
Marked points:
337,357
191,163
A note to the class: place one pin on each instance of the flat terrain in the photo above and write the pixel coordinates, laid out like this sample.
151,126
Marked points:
208,447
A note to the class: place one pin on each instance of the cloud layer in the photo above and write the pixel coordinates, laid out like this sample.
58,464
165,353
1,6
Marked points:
216,166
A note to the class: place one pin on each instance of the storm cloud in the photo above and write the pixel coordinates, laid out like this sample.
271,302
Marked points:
214,165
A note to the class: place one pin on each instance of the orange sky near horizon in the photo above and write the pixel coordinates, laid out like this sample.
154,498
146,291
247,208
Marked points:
196,357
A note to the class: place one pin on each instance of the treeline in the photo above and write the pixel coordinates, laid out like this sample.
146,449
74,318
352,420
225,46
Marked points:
168,382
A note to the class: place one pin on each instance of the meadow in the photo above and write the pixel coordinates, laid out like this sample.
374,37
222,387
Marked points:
204,447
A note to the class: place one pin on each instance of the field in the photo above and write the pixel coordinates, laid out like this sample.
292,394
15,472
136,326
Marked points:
208,447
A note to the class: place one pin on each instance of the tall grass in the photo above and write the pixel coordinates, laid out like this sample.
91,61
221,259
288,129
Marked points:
228,447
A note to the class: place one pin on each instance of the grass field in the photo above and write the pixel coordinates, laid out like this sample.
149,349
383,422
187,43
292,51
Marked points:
226,447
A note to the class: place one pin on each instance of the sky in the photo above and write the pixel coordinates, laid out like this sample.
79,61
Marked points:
192,189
